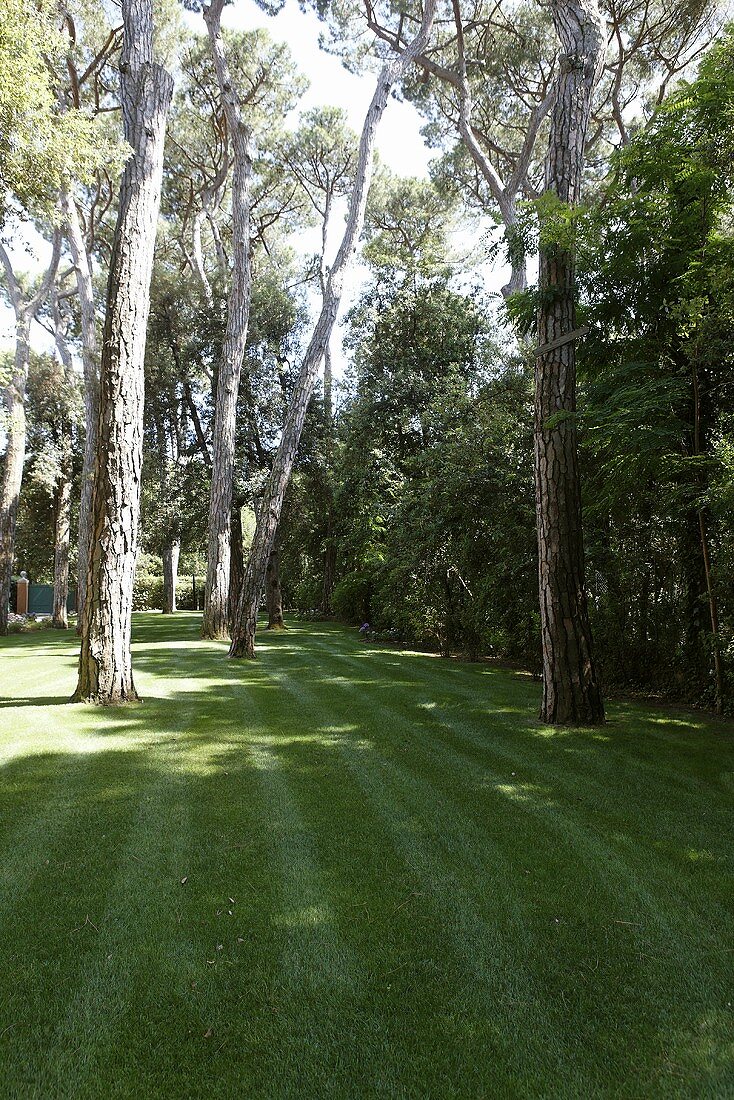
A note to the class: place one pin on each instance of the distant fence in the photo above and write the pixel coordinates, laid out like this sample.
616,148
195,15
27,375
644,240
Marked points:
41,599
37,599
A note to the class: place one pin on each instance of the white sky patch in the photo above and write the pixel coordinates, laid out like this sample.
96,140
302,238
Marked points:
399,144
399,141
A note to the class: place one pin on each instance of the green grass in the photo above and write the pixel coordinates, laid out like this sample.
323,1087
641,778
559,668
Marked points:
397,882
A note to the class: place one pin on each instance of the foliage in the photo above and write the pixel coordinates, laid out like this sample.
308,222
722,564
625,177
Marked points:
43,144
54,427
655,262
432,477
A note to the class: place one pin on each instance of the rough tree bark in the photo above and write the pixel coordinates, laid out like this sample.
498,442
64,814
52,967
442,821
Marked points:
105,661
273,592
14,462
62,527
236,561
62,495
90,365
214,623
25,309
243,634
571,690
171,553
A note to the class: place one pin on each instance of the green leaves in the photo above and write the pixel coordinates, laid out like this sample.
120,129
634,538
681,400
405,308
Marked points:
43,142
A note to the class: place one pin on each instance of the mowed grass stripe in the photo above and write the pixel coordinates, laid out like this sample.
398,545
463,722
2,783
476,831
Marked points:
570,777
473,950
635,866
384,938
625,892
111,907
276,908
508,701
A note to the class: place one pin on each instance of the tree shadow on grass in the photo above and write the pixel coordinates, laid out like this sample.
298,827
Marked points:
252,910
33,701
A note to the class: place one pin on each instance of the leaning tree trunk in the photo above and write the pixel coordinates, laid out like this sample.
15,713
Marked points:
243,634
90,365
273,592
105,661
216,597
571,691
62,527
15,432
171,552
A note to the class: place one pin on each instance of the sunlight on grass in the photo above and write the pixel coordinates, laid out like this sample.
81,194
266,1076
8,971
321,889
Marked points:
519,792
311,915
358,873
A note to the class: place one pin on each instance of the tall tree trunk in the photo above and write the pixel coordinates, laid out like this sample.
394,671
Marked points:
571,690
713,615
14,461
62,525
216,598
243,635
273,592
329,560
105,660
698,447
171,552
236,562
329,579
62,495
90,365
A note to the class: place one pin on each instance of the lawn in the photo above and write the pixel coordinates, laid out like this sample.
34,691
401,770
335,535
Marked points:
348,871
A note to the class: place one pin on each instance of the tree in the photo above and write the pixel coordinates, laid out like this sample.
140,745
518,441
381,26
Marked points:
321,156
105,661
90,365
67,390
26,304
53,417
40,143
571,690
214,622
177,419
81,84
656,260
487,87
229,93
243,635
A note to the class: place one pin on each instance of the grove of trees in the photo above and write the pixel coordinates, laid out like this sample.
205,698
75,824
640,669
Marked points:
514,441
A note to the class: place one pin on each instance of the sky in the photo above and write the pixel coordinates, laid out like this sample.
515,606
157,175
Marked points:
399,141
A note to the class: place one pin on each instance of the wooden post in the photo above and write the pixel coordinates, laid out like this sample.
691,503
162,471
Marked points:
21,595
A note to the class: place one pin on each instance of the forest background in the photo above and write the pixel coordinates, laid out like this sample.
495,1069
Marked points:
412,501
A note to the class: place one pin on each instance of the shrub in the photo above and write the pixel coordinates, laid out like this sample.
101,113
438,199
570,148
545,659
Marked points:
351,598
148,593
